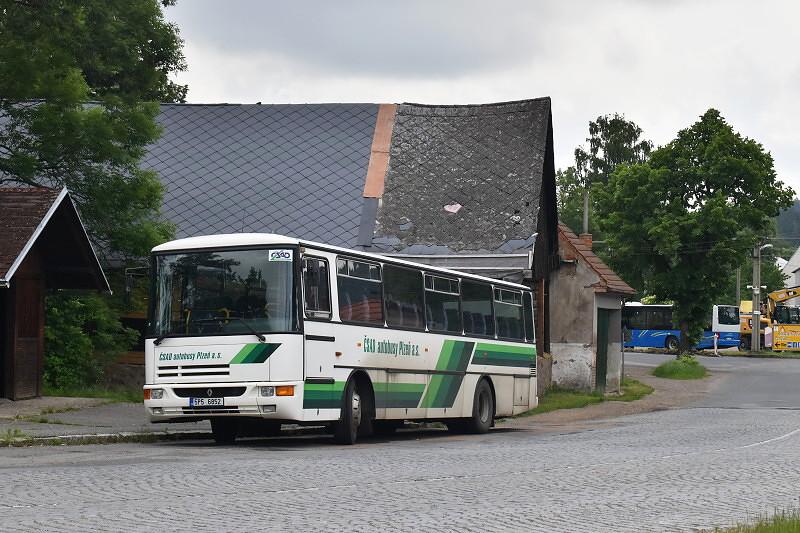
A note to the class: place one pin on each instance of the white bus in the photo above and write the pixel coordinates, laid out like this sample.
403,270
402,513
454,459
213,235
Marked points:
254,330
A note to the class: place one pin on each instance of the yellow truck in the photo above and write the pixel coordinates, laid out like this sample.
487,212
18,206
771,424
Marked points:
785,320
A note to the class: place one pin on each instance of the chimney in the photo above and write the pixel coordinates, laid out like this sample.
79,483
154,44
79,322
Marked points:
587,239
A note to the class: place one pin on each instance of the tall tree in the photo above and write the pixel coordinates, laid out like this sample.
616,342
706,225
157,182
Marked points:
612,141
681,224
79,82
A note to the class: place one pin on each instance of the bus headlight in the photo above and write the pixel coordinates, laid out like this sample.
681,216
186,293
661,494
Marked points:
157,394
266,391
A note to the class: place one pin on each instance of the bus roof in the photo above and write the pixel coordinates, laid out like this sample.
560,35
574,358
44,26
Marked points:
232,240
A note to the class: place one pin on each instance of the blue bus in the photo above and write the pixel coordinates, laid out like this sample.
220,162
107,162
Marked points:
651,326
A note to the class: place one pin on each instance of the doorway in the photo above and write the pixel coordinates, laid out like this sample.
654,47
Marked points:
602,349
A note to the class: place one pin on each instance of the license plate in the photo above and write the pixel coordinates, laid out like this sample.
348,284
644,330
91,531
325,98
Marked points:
206,402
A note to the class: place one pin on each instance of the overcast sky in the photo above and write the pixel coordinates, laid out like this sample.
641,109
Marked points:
661,63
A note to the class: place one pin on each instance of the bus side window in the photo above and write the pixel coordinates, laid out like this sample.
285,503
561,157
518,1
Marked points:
441,304
402,289
508,312
360,293
476,308
529,330
316,286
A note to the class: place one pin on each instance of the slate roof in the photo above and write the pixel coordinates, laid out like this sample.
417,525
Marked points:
296,170
571,244
485,162
300,170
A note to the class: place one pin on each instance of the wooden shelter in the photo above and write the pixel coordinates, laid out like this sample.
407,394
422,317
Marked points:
43,245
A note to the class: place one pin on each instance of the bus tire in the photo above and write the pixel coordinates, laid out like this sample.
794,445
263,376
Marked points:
672,344
224,430
482,409
346,431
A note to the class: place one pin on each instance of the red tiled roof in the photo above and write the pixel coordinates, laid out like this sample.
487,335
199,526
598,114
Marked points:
609,280
21,212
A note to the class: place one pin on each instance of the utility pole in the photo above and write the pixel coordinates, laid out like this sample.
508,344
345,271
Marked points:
756,340
755,343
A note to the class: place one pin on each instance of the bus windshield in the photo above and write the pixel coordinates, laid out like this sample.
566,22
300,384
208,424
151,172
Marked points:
223,293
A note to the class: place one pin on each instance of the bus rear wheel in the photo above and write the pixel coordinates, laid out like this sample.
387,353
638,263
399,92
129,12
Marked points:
346,430
224,430
672,343
482,409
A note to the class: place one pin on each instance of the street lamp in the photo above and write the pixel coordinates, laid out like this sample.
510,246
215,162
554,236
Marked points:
756,331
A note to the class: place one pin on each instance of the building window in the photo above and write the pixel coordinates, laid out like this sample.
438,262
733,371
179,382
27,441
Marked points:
476,308
441,304
508,312
359,289
316,287
404,296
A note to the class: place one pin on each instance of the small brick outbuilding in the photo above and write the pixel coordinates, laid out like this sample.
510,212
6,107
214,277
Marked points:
586,323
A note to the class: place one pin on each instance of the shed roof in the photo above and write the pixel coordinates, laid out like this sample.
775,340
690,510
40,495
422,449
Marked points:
47,218
609,280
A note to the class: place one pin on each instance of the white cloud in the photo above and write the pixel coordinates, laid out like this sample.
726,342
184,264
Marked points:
660,63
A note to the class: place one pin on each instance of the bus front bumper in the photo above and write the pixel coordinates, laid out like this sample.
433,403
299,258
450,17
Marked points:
186,402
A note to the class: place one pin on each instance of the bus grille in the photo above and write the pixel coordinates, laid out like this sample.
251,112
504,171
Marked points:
211,410
533,371
186,371
202,392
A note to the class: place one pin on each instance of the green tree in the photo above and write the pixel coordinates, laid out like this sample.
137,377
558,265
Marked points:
612,141
681,224
79,81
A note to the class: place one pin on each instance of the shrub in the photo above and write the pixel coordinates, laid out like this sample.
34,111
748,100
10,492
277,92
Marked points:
82,336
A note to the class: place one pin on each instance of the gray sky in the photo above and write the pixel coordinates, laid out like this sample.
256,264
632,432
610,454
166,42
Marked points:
661,63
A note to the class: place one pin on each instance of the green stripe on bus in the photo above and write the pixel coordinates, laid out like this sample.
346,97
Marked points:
323,395
254,353
443,388
388,395
502,355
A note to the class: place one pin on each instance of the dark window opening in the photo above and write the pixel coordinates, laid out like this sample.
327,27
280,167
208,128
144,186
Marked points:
476,308
360,294
403,294
316,286
442,304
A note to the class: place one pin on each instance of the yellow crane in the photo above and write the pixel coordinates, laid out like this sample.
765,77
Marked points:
785,320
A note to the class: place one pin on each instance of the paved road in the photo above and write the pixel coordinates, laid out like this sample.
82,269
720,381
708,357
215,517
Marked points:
666,471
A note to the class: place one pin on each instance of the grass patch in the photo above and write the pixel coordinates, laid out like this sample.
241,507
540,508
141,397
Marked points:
113,395
684,367
555,398
631,390
11,437
782,522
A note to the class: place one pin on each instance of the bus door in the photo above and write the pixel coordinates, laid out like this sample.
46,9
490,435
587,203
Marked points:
320,340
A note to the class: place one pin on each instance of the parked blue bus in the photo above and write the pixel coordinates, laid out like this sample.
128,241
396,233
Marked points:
651,326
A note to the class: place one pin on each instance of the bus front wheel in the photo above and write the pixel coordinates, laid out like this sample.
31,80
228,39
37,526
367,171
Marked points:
672,343
346,431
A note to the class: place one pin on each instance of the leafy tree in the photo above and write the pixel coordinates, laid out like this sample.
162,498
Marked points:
78,85
612,141
680,224
83,336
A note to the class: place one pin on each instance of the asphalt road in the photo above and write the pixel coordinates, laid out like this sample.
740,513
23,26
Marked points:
724,459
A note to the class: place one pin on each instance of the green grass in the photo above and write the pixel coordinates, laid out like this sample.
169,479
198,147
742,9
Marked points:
113,395
555,398
12,437
684,367
631,390
782,522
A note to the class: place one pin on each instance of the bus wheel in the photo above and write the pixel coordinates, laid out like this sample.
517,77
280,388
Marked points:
224,430
347,428
482,409
672,343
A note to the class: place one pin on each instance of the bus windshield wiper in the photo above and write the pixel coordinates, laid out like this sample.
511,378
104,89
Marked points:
261,337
